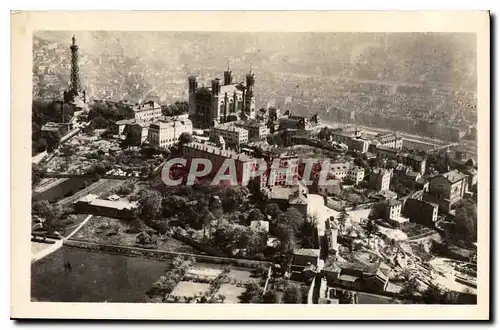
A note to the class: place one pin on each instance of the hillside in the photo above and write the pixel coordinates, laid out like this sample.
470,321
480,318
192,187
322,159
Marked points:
134,64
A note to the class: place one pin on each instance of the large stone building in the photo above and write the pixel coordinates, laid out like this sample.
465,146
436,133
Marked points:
380,179
148,112
256,130
222,102
244,165
449,188
165,133
425,213
391,140
347,170
233,135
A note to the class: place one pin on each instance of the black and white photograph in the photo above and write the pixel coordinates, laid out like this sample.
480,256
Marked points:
256,168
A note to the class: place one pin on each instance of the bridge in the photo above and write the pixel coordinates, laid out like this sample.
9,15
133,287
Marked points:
442,148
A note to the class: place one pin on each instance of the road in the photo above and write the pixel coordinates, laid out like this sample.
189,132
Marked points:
316,208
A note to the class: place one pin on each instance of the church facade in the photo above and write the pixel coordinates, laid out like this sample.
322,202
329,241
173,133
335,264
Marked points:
223,102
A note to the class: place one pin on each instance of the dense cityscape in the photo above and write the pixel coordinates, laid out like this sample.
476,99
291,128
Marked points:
354,157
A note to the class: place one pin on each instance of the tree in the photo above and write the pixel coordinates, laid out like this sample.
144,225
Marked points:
292,218
433,294
52,139
150,205
255,215
409,289
208,218
292,294
342,219
40,145
324,133
371,228
287,237
377,211
252,294
216,207
271,297
163,286
466,221
273,211
233,197
51,213
144,238
36,174
185,138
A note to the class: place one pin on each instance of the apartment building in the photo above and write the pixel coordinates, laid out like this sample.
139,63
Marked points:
244,165
346,170
166,133
256,130
380,179
233,136
422,212
449,188
148,112
391,140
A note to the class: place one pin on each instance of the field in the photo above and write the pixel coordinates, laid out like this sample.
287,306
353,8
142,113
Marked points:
187,289
95,277
231,292
231,289
104,230
236,273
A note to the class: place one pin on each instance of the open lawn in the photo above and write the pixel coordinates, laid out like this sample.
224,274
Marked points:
306,151
95,277
236,273
231,292
189,289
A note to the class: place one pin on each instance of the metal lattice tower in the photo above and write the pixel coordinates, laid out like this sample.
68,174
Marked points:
75,86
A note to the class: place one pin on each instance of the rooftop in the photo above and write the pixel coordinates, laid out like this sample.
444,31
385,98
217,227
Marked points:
384,148
415,157
125,121
87,198
218,151
306,252
394,202
119,205
251,123
454,176
151,105
263,225
277,192
167,123
348,278
413,174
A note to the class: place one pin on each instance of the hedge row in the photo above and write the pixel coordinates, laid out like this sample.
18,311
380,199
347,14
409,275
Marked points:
160,254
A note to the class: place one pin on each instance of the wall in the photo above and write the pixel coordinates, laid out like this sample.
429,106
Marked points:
160,254
65,188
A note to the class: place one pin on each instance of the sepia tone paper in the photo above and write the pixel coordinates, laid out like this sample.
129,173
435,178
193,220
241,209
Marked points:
24,24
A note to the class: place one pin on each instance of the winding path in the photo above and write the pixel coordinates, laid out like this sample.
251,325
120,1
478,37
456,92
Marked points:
57,243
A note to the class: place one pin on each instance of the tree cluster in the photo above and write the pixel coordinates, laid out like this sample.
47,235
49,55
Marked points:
103,115
43,112
166,284
50,213
176,109
465,227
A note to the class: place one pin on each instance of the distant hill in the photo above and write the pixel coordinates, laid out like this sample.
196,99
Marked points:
136,65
